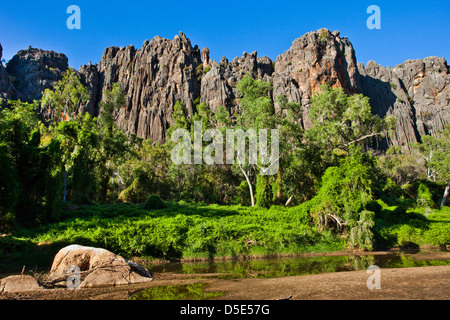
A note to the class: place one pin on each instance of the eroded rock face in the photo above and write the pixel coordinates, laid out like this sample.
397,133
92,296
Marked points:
34,70
207,62
153,79
388,97
427,82
416,92
89,77
164,71
218,87
317,58
7,89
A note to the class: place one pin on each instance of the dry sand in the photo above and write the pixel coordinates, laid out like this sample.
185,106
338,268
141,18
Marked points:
421,283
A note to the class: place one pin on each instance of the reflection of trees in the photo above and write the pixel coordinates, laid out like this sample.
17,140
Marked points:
269,268
361,262
193,291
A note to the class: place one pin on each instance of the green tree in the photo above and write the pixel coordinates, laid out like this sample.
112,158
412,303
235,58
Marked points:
436,152
294,171
65,99
180,118
344,193
114,144
193,179
339,121
80,144
63,102
222,118
9,187
204,115
401,167
146,173
257,112
30,172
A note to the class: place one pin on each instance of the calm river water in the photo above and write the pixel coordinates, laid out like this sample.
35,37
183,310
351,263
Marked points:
276,267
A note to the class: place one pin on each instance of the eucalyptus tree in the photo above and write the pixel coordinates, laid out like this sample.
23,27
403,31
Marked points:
62,102
257,116
340,121
114,144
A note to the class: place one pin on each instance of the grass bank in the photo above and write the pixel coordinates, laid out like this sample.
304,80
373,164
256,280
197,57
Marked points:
189,231
178,231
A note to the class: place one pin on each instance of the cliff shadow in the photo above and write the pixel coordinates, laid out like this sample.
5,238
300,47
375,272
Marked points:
380,93
382,99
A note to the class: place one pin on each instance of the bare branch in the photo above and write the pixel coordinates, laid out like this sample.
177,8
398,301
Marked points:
363,138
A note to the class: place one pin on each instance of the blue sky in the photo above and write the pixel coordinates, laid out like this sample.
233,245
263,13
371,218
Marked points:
409,29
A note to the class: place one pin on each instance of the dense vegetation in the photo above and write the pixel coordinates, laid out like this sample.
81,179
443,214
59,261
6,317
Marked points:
67,177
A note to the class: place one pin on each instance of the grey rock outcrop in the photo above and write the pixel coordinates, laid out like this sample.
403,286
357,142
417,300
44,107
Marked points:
427,82
218,87
34,70
153,79
7,89
416,92
207,62
388,97
5,83
164,71
317,58
89,77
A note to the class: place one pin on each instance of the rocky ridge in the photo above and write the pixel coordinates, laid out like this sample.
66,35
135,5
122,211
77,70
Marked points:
164,71
317,58
34,70
7,89
417,92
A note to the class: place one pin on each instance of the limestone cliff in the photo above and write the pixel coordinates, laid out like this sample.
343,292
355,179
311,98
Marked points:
417,92
218,86
7,89
153,79
164,71
34,70
317,58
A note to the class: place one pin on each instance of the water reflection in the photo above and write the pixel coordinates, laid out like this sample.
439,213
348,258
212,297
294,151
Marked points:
268,268
195,291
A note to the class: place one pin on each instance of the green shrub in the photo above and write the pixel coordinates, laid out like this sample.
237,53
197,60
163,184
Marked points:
424,196
409,236
361,235
154,202
263,191
343,196
243,194
301,213
409,190
324,35
438,234
391,189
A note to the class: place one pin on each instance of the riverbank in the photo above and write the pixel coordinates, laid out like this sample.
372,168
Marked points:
183,232
421,283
